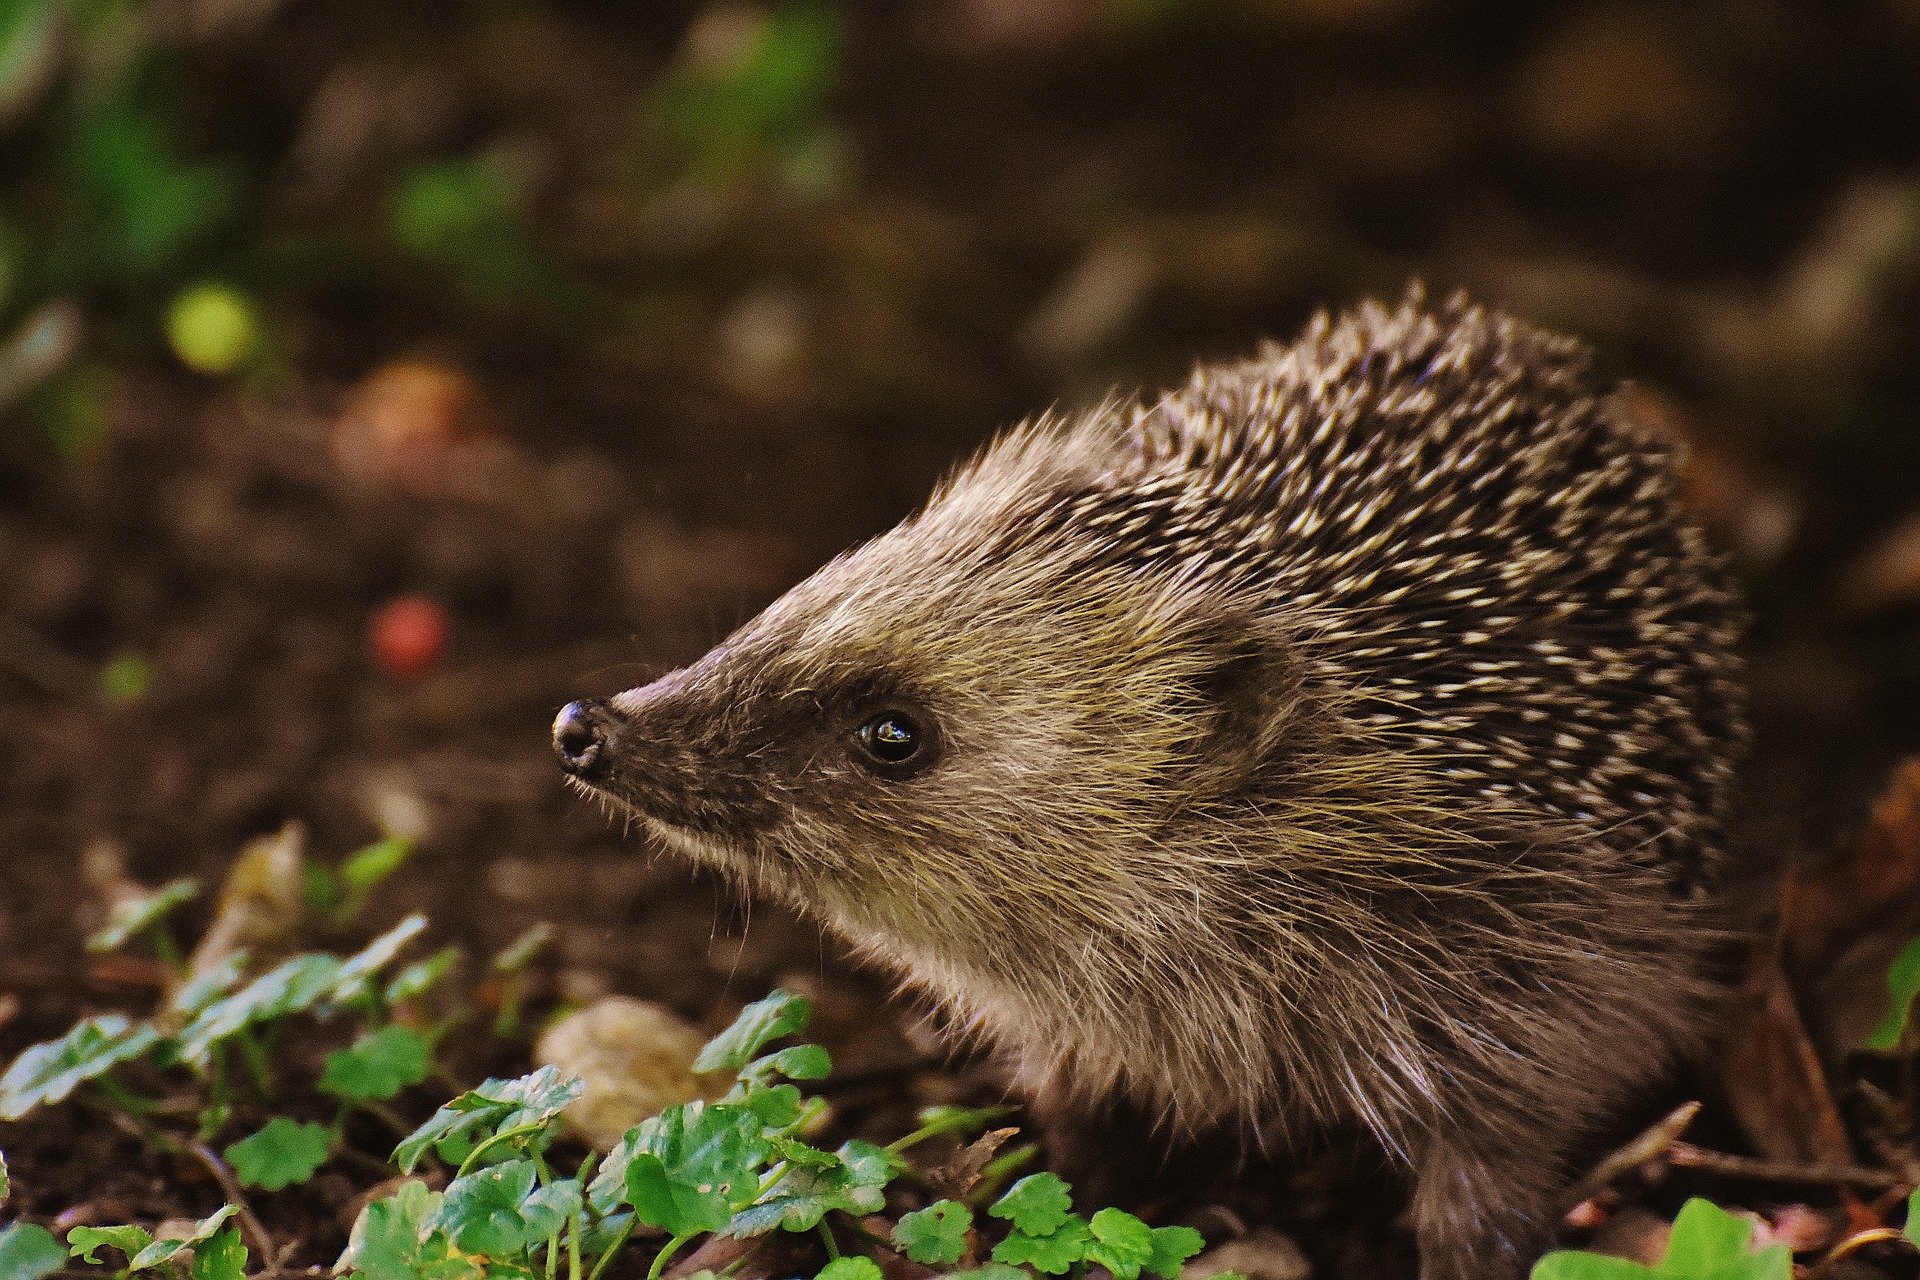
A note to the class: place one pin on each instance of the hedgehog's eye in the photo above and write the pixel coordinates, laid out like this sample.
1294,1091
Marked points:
891,739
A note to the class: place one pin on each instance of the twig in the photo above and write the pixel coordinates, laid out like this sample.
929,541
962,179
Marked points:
262,1241
1687,1156
1655,1142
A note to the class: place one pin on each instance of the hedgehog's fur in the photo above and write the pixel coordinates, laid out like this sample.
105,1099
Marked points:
1345,736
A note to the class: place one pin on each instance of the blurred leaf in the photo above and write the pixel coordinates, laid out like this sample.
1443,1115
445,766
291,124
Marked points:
28,1251
48,1072
370,866
29,52
125,679
281,1154
152,204
378,1065
750,88
132,917
1903,986
212,329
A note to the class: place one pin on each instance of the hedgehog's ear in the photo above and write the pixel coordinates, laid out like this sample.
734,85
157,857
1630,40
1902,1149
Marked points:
1252,703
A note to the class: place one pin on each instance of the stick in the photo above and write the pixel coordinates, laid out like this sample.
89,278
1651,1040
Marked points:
1687,1156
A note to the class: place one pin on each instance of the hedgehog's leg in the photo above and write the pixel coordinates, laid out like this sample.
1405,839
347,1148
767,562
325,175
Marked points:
1480,1213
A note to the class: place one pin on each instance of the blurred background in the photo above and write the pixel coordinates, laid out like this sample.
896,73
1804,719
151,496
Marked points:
376,377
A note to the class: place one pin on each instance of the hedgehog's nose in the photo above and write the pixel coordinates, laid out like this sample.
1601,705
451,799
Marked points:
579,736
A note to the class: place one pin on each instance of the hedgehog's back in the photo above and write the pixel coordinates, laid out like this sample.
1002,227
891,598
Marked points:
1487,562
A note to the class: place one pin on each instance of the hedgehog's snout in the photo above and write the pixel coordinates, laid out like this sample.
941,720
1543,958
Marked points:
580,735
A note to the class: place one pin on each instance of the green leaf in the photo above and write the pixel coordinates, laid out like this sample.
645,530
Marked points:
690,1168
850,1268
281,1154
47,1073
1121,1243
1704,1238
815,1183
293,986
393,1240
212,329
1912,1229
1035,1205
502,1210
1172,1246
125,679
161,1252
132,917
82,1241
224,1257
1001,1271
150,205
1052,1253
935,1235
1903,985
778,1106
1569,1264
194,996
378,1065
365,870
497,1105
801,1062
780,1014
358,969
935,1121
28,1251
421,976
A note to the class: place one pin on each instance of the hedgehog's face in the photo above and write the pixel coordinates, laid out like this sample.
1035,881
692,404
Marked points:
939,741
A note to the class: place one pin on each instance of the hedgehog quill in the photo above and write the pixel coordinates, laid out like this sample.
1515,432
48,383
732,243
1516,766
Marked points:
1343,737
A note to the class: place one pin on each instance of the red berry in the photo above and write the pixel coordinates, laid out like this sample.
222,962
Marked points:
407,635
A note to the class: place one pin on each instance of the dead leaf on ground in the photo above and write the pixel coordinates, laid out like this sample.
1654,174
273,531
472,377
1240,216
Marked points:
1873,885
1773,1077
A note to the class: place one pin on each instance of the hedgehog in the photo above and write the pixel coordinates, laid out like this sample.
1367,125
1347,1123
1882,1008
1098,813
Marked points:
1342,739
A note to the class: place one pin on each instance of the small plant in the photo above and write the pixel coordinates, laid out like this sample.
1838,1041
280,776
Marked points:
197,1081
739,1167
1707,1243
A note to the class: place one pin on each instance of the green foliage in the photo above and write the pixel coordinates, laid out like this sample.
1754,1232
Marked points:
281,1154
212,328
854,1268
751,104
379,1065
1036,1205
1707,1243
1912,1229
133,917
28,1251
315,982
738,1167
1903,986
144,1253
759,1024
125,679
503,1210
497,1113
935,1234
47,1073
